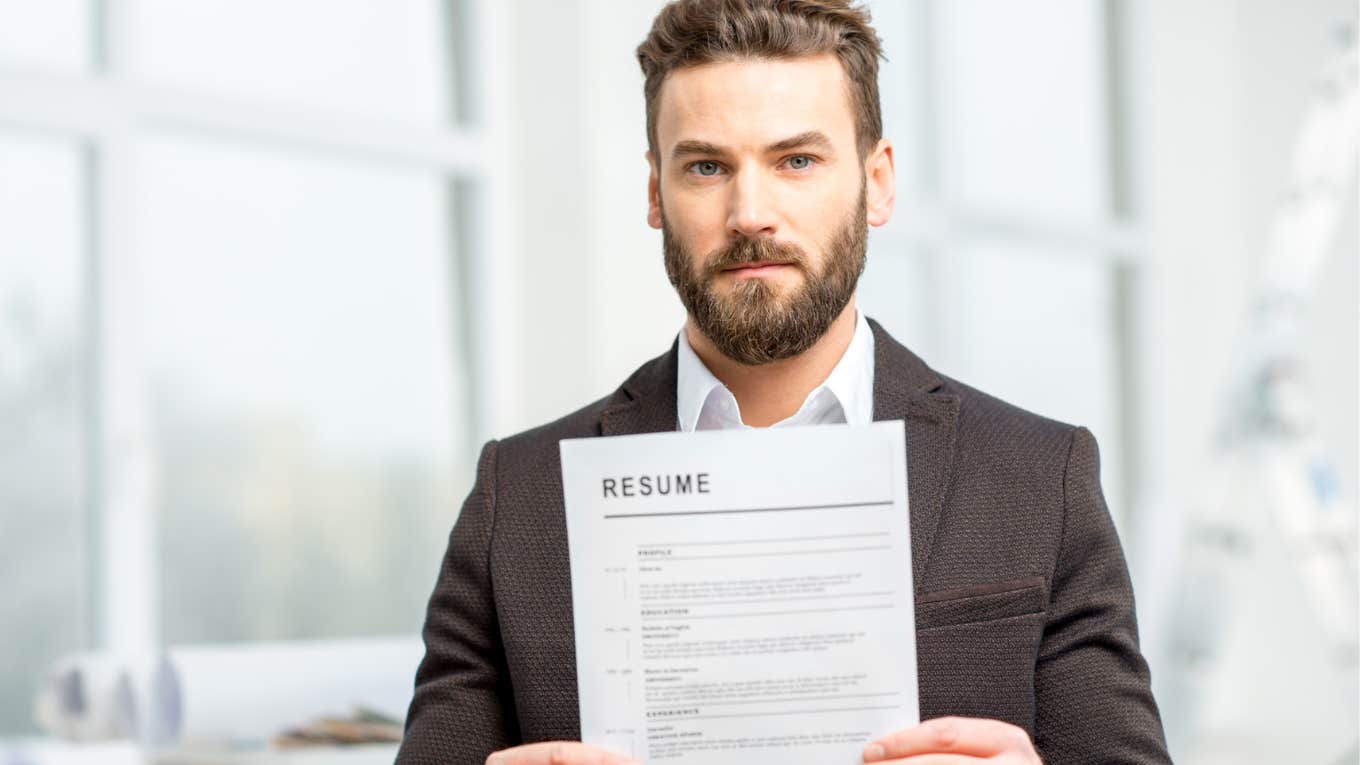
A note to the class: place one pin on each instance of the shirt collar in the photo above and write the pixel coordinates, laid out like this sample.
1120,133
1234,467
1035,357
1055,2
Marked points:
851,381
693,384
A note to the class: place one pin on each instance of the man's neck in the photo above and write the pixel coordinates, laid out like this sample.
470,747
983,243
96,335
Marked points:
772,392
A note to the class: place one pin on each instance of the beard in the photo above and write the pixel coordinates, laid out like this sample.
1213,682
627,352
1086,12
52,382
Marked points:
753,323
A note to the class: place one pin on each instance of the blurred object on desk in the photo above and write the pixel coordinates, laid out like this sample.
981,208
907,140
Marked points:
78,700
363,727
236,697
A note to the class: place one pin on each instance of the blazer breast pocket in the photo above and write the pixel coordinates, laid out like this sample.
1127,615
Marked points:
976,648
981,602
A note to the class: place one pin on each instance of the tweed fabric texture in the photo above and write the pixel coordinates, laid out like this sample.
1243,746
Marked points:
1024,605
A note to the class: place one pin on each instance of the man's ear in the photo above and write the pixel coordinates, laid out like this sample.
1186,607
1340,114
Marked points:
653,193
880,183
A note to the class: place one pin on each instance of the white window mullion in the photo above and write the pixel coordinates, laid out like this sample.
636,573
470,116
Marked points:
123,509
78,104
936,226
493,314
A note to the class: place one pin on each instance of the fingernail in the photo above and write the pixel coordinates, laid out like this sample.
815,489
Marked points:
873,752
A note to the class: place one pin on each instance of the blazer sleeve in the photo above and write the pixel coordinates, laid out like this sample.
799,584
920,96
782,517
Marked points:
1093,699
462,709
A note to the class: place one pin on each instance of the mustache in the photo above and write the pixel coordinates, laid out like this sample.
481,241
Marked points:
744,250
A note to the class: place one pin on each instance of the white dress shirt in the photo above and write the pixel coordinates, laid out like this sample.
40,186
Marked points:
702,402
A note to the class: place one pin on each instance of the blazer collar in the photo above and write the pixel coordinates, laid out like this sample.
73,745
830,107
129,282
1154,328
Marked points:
905,388
649,399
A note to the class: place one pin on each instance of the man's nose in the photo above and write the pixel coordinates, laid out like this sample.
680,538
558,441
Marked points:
750,211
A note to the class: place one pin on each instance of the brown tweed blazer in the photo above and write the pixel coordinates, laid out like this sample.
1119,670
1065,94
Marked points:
1024,609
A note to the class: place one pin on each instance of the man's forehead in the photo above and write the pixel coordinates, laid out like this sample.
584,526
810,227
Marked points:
752,102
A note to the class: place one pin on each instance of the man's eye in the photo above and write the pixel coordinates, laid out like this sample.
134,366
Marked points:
800,162
706,168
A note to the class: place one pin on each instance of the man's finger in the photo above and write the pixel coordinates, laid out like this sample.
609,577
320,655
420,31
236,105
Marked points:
939,760
950,735
558,753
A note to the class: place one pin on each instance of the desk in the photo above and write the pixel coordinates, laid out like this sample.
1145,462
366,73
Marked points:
44,752
366,754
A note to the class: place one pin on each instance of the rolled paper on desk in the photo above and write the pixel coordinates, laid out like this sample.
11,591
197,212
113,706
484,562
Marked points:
79,700
247,693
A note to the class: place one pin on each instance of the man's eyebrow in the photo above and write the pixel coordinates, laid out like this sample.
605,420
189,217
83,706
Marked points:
808,138
685,148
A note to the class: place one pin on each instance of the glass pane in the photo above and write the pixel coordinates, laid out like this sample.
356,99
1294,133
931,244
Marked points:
306,392
1037,327
42,527
51,34
1022,102
376,58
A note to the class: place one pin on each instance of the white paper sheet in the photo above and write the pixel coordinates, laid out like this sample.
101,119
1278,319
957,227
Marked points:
742,596
244,694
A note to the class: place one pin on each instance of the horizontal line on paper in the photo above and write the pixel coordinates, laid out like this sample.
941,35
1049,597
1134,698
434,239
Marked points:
653,602
776,554
765,541
764,613
840,506
795,712
789,700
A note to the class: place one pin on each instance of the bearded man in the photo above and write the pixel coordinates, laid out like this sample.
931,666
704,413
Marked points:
767,166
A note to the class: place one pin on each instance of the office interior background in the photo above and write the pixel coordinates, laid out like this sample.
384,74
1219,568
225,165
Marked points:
271,272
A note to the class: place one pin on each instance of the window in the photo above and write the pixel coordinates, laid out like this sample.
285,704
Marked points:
236,300
42,400
1008,259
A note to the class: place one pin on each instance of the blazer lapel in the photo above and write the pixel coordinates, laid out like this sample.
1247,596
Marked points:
650,399
908,390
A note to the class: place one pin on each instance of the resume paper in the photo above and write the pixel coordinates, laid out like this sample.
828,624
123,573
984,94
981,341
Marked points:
742,595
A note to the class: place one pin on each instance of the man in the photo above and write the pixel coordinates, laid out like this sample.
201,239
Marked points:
767,165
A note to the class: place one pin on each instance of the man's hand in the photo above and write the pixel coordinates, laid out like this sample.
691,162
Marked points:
954,740
558,753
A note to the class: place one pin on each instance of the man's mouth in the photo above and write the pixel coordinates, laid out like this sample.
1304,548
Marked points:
758,269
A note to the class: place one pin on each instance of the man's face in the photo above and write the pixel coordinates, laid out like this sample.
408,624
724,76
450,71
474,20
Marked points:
759,191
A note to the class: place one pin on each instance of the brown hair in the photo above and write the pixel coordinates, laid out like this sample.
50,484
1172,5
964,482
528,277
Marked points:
693,32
